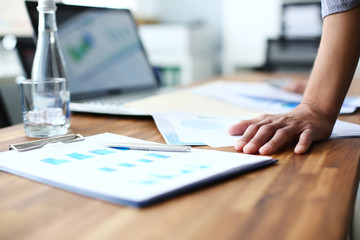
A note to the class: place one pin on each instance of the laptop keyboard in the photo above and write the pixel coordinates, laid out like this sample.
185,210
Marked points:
105,106
106,101
115,104
120,99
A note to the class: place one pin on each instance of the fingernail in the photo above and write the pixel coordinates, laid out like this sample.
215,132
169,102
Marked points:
299,149
239,145
265,149
250,148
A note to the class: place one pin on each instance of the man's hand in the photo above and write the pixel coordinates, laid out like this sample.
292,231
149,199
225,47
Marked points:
267,133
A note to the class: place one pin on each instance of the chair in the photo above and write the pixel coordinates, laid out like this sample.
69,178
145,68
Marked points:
4,116
291,54
296,47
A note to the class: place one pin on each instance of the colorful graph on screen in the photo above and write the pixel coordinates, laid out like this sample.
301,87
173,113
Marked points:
78,51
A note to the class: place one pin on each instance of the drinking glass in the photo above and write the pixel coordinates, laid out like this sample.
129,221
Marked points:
44,106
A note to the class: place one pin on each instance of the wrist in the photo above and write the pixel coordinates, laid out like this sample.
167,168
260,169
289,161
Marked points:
312,108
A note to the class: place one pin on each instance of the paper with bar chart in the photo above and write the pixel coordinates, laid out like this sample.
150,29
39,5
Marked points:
121,176
186,128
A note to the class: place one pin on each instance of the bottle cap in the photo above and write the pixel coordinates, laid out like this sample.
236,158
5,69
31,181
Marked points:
46,5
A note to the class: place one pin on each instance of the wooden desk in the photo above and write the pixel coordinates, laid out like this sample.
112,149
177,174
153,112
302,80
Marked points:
308,196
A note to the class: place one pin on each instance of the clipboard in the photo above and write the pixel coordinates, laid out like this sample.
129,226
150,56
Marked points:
128,177
27,146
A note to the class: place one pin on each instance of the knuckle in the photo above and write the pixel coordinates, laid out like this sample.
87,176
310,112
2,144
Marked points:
307,130
265,116
267,128
307,134
309,127
284,133
247,136
245,139
255,143
254,126
272,144
283,119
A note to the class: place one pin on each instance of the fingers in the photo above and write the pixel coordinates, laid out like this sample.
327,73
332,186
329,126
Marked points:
245,139
239,128
267,134
270,134
304,143
256,136
280,138
269,138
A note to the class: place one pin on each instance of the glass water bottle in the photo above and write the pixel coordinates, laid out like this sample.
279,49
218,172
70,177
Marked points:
51,95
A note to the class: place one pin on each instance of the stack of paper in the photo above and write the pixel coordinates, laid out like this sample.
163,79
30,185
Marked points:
260,97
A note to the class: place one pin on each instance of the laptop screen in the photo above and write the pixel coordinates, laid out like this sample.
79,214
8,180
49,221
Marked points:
102,50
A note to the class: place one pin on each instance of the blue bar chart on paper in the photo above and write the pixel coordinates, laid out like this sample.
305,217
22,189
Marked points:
124,176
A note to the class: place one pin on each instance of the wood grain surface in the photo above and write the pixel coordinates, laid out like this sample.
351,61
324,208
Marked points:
308,196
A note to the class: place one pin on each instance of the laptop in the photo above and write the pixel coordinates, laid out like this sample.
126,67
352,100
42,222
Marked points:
106,61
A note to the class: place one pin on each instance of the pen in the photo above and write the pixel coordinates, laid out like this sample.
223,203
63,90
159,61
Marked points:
148,147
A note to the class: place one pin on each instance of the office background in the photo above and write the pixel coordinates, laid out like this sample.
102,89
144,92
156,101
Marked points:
190,41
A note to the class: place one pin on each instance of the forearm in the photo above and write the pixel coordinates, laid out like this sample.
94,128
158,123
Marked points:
314,118
335,63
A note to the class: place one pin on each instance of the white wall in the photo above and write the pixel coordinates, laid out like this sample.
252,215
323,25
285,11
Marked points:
246,26
14,19
238,28
204,11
